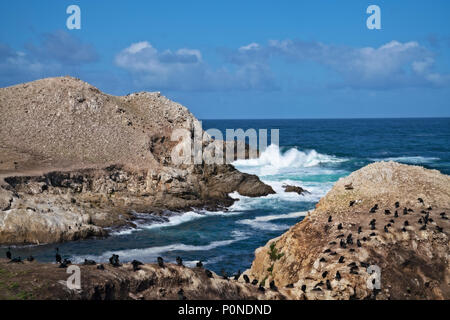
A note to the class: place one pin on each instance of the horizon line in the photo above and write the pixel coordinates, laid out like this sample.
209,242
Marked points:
356,118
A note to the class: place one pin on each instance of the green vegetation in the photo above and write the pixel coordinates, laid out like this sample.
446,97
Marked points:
274,255
273,252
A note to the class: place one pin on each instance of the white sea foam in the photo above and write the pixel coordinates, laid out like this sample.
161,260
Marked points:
281,216
409,160
150,254
263,223
152,221
272,161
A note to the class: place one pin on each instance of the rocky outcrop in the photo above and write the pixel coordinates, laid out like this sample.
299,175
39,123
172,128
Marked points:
395,218
39,281
296,189
74,161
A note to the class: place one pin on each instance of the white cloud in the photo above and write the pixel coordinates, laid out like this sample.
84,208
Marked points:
394,64
184,69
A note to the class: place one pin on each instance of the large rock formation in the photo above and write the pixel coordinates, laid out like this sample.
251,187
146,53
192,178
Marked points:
74,160
403,214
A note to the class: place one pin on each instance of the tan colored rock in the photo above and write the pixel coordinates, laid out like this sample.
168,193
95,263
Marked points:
40,281
414,263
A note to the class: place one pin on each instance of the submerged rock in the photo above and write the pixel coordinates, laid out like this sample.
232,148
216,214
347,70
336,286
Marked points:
296,189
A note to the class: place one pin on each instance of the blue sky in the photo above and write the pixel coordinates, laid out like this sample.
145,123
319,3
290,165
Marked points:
242,59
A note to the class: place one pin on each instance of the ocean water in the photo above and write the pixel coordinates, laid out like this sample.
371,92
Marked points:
312,154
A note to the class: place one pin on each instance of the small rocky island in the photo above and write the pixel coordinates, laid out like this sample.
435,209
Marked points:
395,218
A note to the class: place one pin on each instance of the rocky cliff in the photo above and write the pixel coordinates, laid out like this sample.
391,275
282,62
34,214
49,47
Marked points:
74,161
386,215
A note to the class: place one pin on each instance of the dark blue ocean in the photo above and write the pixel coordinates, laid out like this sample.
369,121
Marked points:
312,154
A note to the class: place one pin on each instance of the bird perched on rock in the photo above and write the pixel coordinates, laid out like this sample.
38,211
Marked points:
324,274
181,295
405,211
397,204
8,253
349,186
341,259
237,275
261,288
179,261
330,218
224,274
323,259
364,264
338,276
342,244
353,271
386,229
101,267
114,260
89,262
359,230
339,226
439,229
246,278
420,200
160,261
58,256
328,285
63,265
30,259
350,239
136,264
358,243
209,273
199,264
352,203
16,260
273,286
303,288
290,286
387,212
396,214
406,223
254,282
424,227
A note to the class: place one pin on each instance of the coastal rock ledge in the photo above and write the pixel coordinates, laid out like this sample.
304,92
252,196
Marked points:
75,161
386,215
